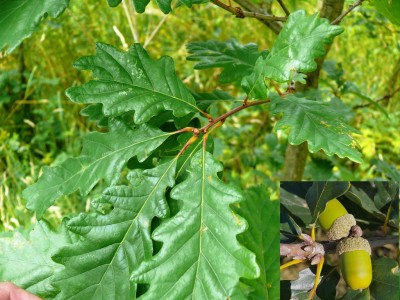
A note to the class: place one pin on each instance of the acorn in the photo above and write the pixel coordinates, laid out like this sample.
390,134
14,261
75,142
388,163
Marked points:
355,262
335,220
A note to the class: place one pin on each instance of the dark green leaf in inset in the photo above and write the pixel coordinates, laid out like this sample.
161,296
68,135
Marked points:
357,295
296,205
327,287
114,244
19,19
323,191
364,201
103,156
385,193
367,207
385,278
237,60
317,124
127,81
200,257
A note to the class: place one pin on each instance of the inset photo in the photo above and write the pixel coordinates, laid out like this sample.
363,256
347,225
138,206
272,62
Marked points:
339,240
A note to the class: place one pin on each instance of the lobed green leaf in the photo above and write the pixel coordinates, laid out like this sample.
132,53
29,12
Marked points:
317,124
113,245
299,43
103,156
385,279
127,81
200,257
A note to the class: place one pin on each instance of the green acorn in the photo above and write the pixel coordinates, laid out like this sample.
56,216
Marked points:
335,220
355,262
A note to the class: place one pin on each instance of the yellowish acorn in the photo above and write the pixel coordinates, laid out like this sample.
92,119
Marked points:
335,220
355,262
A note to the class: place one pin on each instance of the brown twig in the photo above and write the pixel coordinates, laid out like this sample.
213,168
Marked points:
346,12
385,97
240,13
214,123
330,247
287,12
231,112
190,141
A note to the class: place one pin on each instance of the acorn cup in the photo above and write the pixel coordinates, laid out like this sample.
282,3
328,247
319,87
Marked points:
355,262
335,220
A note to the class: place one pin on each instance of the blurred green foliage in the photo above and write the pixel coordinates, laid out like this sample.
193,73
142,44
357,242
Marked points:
39,126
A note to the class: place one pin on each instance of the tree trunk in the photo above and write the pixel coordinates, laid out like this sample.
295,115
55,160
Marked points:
296,156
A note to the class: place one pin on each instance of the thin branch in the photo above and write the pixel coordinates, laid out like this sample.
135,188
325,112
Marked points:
330,247
346,12
287,12
213,122
383,98
240,13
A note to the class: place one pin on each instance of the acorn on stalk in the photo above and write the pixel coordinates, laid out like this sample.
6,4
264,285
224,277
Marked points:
335,220
355,262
